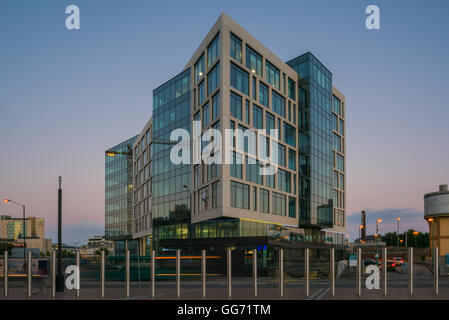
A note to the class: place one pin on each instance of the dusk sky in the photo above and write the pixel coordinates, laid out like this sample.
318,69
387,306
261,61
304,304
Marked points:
66,96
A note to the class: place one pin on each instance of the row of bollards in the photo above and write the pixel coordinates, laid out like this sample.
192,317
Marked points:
229,272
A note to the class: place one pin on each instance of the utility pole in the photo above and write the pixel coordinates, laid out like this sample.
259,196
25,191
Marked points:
406,244
363,223
60,275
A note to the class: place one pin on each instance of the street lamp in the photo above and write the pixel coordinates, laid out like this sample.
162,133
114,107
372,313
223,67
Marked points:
415,233
398,219
24,233
377,235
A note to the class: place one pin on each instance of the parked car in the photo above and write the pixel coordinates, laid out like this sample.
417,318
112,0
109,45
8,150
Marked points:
391,265
398,261
367,262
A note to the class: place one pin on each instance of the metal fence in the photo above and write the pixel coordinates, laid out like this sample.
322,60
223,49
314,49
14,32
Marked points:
287,273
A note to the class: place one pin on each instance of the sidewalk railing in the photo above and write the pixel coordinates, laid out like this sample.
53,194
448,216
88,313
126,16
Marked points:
309,271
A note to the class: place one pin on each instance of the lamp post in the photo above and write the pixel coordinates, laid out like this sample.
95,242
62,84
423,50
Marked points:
377,236
360,234
430,220
415,233
60,275
398,219
24,231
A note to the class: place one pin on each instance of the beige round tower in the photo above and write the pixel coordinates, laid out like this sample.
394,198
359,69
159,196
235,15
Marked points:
436,212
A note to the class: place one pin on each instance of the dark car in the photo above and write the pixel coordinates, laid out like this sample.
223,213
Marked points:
368,262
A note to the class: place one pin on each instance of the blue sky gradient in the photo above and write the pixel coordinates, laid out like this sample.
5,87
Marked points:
66,96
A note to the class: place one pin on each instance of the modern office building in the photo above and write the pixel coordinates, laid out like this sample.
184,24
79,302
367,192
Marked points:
436,212
118,196
234,82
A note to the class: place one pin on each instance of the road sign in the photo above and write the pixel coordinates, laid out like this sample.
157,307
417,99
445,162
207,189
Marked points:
353,260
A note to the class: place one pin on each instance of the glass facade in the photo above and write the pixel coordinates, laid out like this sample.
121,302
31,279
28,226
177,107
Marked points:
170,199
119,191
316,141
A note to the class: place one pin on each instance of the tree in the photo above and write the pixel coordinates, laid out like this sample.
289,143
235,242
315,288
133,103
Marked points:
5,247
414,239
67,254
106,251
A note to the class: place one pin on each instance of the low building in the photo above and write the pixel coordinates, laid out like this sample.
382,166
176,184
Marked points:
11,229
436,212
96,244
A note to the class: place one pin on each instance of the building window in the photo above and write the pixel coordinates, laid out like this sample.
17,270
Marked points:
291,89
213,79
239,79
278,201
236,48
257,117
281,155
213,51
292,207
337,142
253,61
236,106
206,115
278,104
342,182
269,180
199,69
340,163
336,106
239,195
201,93
236,165
284,180
289,134
253,171
272,75
291,159
215,194
204,199
214,170
263,94
341,128
334,122
335,198
264,201
215,106
269,122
